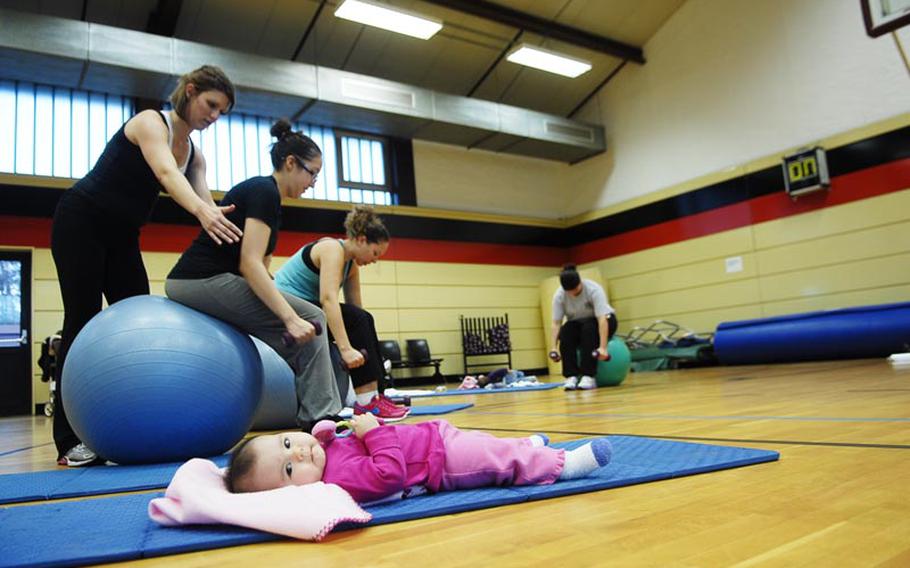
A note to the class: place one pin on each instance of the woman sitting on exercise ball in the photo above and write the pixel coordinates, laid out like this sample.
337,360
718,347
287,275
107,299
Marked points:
316,272
590,323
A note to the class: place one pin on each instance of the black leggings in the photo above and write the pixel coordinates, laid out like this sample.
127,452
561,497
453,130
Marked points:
361,330
93,257
584,334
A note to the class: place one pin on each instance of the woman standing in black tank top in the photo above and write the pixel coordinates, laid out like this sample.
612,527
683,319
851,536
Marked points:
95,236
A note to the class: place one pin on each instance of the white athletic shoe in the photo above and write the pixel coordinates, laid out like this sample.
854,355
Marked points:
587,383
571,383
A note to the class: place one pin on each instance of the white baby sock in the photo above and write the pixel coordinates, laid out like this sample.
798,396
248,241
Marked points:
539,440
582,461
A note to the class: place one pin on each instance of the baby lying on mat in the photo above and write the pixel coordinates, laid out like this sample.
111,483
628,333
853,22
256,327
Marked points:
378,461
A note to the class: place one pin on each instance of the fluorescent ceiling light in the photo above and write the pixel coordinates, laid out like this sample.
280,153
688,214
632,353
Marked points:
546,60
394,20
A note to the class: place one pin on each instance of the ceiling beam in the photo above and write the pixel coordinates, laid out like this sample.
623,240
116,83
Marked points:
544,27
309,30
163,19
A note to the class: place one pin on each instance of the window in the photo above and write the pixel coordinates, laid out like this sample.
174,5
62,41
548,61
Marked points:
362,169
237,147
60,132
55,131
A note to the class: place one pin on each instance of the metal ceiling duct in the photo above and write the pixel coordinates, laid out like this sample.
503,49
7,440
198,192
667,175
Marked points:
94,57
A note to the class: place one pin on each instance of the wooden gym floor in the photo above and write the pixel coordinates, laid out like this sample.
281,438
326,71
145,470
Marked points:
839,496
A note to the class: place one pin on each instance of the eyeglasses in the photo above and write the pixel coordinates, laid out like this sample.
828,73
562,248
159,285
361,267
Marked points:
307,169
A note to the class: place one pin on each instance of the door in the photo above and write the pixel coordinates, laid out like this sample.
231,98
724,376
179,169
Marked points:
15,331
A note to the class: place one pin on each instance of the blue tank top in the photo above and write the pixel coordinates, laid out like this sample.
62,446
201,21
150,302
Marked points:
122,184
300,277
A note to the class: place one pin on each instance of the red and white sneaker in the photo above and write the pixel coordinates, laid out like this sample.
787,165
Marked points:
381,407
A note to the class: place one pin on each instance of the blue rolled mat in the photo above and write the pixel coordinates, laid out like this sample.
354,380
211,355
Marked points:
117,528
849,333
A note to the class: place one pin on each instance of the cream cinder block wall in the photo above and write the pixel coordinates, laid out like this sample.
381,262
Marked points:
729,81
409,300
450,177
849,255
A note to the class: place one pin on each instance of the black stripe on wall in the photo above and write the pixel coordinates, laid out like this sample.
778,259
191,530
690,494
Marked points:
881,149
28,201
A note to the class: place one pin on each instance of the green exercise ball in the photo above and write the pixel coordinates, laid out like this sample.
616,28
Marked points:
613,372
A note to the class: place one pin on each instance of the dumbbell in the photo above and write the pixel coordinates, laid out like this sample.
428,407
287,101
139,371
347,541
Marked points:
596,355
289,340
554,356
402,400
362,352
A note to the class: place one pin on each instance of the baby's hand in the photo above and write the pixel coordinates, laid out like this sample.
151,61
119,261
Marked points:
363,423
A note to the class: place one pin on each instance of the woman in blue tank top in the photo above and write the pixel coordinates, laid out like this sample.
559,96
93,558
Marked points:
316,273
95,235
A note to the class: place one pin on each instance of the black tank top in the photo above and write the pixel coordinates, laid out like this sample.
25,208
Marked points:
122,184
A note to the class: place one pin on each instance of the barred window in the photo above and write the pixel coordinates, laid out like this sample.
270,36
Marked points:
55,131
363,169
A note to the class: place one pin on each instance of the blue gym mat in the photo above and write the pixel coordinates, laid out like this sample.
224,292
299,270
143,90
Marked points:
76,482
427,409
110,529
455,392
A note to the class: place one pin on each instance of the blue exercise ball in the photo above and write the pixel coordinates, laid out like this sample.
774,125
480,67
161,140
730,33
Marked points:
149,380
278,407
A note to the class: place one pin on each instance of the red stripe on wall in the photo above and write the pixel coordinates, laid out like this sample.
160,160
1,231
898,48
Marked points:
871,182
36,232
863,184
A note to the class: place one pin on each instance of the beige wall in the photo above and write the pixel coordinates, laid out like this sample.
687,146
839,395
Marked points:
730,81
449,177
408,299
852,254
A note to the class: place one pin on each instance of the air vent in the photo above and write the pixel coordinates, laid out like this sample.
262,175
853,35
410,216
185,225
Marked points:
576,132
379,94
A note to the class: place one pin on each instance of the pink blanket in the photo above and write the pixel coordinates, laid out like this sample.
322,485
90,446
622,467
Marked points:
197,495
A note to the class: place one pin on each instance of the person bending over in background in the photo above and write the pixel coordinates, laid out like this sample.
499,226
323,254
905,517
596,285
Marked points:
590,323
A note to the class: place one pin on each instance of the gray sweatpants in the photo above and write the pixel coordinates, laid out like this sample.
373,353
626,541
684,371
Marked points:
229,297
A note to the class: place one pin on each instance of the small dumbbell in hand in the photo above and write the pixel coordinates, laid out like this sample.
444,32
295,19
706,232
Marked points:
596,355
554,356
289,340
362,352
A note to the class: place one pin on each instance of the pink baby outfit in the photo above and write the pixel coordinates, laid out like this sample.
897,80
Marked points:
436,455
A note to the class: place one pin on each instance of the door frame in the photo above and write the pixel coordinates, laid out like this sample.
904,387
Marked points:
26,256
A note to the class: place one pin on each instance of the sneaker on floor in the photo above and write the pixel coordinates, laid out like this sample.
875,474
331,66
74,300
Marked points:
571,383
78,456
381,407
587,383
